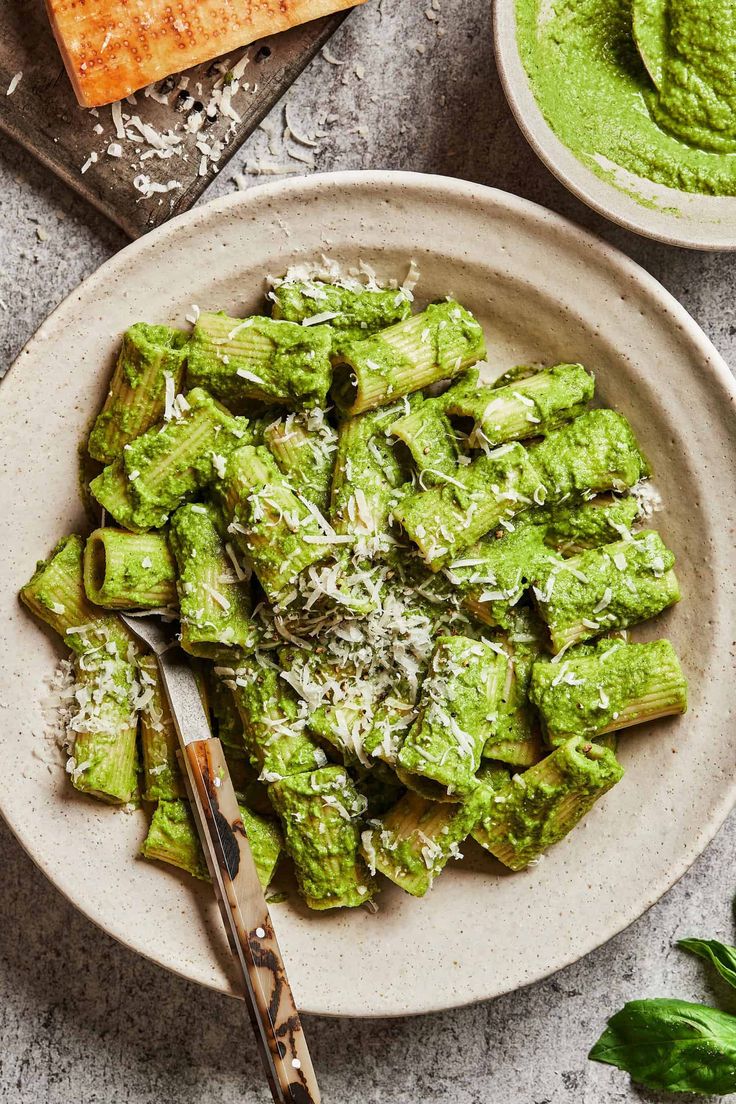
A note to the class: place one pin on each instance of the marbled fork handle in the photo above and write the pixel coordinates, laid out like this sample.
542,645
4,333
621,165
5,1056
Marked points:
270,1001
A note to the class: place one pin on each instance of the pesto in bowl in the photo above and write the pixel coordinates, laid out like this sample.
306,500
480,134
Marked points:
672,120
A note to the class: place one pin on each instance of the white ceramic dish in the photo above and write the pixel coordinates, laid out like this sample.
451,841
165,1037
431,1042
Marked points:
679,218
544,291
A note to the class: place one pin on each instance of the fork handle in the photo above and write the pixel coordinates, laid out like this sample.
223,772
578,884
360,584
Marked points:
268,995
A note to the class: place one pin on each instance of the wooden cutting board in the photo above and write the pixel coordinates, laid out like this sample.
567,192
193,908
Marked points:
122,166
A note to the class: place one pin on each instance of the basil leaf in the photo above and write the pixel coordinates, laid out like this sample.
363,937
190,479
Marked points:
672,1045
718,954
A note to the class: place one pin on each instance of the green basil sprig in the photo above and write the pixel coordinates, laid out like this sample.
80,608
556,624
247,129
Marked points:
718,954
673,1044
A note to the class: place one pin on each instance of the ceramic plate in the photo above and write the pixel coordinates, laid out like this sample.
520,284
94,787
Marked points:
543,291
680,218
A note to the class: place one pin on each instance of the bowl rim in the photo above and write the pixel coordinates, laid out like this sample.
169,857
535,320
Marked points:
562,162
454,190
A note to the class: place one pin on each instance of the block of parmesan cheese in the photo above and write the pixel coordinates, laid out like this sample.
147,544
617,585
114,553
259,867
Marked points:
114,47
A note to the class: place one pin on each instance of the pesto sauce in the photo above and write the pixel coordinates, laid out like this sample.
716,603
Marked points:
587,694
537,809
596,94
319,812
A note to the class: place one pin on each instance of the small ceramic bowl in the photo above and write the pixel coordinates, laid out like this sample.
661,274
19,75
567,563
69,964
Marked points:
669,215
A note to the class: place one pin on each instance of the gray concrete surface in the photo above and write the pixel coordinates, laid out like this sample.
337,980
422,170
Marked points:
81,1019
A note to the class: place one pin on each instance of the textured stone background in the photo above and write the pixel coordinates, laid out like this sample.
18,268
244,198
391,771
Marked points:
82,1019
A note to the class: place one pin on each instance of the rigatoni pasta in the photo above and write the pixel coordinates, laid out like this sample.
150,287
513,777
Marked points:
406,589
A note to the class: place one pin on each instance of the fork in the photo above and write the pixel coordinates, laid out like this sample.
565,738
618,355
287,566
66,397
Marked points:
268,996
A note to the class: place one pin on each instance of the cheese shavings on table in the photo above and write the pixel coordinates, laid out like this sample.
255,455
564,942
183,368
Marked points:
111,48
407,592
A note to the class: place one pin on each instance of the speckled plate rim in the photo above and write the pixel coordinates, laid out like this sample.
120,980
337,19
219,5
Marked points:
684,230
444,192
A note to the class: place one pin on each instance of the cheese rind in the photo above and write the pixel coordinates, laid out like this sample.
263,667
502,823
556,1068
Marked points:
114,47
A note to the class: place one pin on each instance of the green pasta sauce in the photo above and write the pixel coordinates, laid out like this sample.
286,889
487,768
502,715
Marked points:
674,124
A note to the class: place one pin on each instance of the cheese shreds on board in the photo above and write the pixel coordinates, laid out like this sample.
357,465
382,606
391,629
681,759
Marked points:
111,48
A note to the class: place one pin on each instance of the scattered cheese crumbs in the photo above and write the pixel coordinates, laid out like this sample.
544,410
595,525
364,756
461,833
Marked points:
648,497
251,376
148,187
91,160
259,168
217,596
302,158
330,58
605,600
219,463
303,139
14,83
169,396
114,150
117,119
316,319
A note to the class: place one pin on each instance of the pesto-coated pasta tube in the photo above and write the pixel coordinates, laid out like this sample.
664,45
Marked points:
214,595
227,724
427,433
515,730
274,528
304,445
241,359
526,408
368,477
169,463
104,754
273,723
352,312
435,345
538,808
389,726
607,588
149,371
414,840
461,689
320,813
425,429
162,779
591,695
129,570
595,453
602,520
172,838
484,495
104,759
494,573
